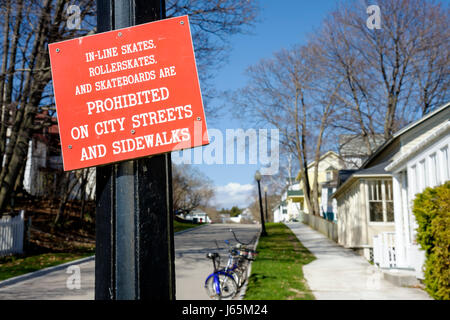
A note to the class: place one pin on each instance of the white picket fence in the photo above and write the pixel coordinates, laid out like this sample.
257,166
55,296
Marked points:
11,234
384,250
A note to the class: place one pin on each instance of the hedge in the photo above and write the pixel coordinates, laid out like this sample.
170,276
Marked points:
432,211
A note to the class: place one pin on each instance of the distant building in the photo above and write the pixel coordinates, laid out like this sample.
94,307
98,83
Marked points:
329,165
247,216
198,216
225,217
44,160
353,149
44,164
280,212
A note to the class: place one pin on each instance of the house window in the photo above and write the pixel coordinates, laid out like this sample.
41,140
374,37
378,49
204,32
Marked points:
381,205
328,175
389,201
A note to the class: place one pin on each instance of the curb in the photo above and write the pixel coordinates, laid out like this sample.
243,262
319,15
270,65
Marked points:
249,271
42,272
190,229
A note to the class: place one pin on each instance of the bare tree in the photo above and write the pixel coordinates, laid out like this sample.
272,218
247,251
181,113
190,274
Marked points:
291,93
191,189
27,27
391,74
213,23
26,75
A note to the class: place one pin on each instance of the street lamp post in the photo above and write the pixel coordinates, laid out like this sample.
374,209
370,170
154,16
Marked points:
265,199
263,227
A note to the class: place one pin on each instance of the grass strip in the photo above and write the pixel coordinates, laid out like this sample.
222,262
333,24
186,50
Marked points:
180,226
13,266
277,272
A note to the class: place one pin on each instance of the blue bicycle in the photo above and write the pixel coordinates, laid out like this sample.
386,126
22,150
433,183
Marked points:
225,282
220,284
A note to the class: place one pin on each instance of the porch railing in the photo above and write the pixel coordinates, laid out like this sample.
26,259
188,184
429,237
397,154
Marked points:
384,250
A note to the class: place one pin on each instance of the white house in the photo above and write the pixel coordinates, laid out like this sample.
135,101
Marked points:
292,203
198,215
422,162
247,216
280,212
364,201
44,165
375,202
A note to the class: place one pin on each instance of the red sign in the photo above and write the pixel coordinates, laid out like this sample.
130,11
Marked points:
127,93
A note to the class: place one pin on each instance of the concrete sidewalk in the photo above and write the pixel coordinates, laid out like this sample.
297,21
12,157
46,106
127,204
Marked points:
341,274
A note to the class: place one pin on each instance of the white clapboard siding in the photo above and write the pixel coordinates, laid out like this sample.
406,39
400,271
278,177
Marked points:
11,234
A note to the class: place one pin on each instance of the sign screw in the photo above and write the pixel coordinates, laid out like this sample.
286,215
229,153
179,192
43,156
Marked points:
198,119
70,146
181,22
133,131
119,34
57,49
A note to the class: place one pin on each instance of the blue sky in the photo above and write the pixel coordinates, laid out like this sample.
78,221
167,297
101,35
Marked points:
282,24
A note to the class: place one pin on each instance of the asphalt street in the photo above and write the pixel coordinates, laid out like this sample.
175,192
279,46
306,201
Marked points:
191,268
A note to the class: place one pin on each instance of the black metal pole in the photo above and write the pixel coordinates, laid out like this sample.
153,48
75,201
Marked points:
134,257
267,209
263,226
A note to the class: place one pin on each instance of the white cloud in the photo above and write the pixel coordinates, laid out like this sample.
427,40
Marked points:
233,194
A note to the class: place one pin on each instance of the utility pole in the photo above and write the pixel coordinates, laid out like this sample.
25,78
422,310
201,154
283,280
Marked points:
134,257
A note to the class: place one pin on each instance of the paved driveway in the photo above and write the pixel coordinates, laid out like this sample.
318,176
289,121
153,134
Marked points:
191,267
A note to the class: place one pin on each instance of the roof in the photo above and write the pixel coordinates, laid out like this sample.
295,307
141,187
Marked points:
329,184
404,130
295,193
354,144
326,154
343,175
428,140
377,171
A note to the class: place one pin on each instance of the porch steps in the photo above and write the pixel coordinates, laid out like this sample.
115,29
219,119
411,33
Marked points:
401,277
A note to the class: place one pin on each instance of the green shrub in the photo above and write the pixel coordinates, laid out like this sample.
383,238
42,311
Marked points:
432,212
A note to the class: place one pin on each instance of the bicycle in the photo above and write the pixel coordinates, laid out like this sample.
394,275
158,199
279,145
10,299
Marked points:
220,284
226,282
236,265
247,253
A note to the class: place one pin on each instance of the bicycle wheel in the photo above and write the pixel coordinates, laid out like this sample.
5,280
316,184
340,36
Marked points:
237,276
227,287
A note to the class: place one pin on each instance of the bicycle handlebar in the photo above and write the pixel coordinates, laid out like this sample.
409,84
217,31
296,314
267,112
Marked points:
245,244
